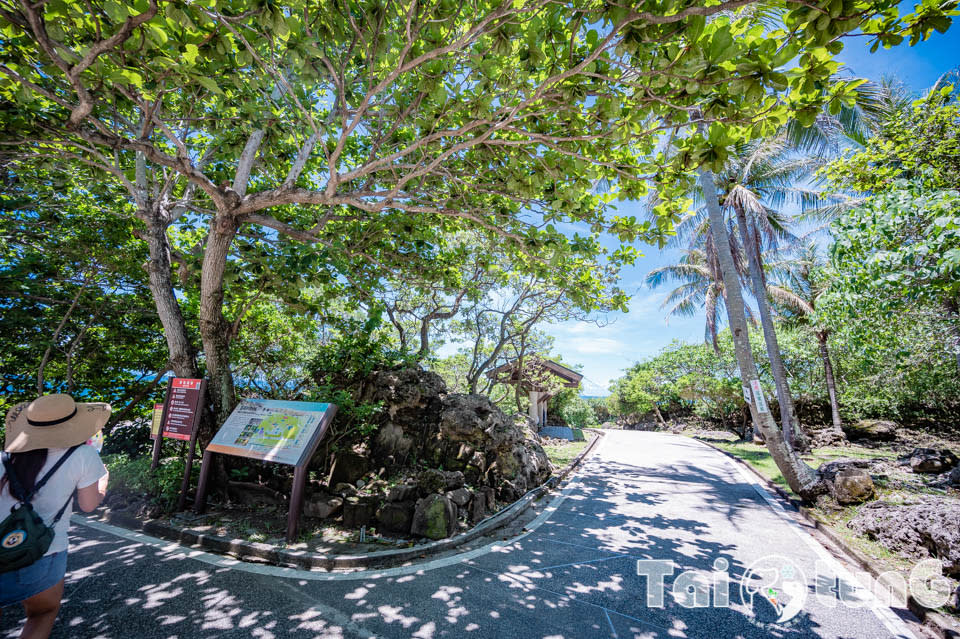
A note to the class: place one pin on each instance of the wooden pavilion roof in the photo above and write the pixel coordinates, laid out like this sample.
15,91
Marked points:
509,373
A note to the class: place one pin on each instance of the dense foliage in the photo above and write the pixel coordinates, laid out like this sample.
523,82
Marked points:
290,196
906,374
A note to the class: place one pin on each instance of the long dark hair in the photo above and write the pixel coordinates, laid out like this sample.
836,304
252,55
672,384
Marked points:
26,466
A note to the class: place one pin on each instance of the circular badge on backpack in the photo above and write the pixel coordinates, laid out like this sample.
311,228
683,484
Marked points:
14,539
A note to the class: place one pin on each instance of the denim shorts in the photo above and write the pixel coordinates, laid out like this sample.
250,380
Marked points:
17,585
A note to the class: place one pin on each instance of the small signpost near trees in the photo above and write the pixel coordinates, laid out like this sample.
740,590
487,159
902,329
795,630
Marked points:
179,420
270,430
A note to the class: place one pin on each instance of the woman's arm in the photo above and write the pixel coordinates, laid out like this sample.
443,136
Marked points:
89,497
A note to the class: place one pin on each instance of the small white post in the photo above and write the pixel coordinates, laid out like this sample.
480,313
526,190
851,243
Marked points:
535,406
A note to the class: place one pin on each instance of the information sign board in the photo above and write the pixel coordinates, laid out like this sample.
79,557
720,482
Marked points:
183,408
271,430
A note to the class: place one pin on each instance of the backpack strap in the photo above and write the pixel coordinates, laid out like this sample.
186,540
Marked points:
40,484
16,489
63,508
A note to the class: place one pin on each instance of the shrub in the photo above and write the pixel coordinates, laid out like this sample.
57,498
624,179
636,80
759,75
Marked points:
578,413
133,477
131,438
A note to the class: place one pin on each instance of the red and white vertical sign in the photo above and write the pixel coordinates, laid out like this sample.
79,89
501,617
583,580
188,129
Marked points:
183,406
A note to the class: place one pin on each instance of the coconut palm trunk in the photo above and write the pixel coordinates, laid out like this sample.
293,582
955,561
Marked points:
831,383
748,235
802,479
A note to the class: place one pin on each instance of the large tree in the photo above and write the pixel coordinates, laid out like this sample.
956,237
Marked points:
77,313
898,248
495,116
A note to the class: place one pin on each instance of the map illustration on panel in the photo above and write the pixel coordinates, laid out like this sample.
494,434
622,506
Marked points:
279,429
271,430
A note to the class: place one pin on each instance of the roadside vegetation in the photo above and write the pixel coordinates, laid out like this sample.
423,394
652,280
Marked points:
562,453
301,202
857,235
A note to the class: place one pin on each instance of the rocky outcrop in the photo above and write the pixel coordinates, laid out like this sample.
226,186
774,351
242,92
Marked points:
929,460
322,505
402,492
953,478
852,486
822,435
475,443
413,402
830,469
251,494
461,497
395,517
878,430
359,511
476,421
348,468
434,517
917,531
437,481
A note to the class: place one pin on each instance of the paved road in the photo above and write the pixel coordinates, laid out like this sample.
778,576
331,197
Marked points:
641,496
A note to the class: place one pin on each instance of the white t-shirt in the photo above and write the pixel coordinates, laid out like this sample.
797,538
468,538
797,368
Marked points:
81,469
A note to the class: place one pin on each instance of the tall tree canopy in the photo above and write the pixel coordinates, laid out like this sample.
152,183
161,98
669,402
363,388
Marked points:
383,120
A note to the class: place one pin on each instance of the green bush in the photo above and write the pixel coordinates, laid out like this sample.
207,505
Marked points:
577,413
132,476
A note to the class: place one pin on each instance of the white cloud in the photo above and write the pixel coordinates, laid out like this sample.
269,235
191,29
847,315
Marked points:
573,328
597,346
590,388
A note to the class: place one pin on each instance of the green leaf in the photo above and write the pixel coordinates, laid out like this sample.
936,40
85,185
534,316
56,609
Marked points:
190,53
209,84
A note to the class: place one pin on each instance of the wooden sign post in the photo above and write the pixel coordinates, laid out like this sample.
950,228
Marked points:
268,430
180,420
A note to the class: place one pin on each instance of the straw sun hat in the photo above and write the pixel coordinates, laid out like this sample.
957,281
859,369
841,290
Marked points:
53,421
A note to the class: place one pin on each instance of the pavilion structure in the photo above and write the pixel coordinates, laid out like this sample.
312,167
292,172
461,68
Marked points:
534,378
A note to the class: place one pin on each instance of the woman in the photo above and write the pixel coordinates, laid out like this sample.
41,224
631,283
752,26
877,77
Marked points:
38,434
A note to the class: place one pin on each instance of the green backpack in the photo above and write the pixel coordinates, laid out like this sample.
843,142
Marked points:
24,538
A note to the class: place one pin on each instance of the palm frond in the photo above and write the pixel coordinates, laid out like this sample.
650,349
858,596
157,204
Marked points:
789,299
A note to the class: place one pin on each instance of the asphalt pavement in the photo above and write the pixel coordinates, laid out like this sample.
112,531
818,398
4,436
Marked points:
655,536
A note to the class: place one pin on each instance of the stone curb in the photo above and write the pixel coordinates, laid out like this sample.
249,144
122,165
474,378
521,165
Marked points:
260,552
944,626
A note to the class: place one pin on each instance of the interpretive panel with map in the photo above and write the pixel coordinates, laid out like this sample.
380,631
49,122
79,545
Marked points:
273,430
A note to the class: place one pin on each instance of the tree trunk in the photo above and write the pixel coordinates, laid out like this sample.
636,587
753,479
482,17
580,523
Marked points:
802,479
180,350
831,383
214,327
656,410
788,415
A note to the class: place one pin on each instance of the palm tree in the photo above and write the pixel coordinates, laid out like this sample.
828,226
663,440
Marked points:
801,478
796,293
756,184
701,288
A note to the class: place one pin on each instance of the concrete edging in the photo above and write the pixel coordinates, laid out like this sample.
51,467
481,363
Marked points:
260,552
945,627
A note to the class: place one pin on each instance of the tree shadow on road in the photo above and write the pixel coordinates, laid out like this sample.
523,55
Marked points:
575,576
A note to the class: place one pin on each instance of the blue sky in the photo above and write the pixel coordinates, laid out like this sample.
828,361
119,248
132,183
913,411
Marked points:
603,352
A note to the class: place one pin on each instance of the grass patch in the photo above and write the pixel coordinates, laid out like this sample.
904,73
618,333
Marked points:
759,457
836,517
562,454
